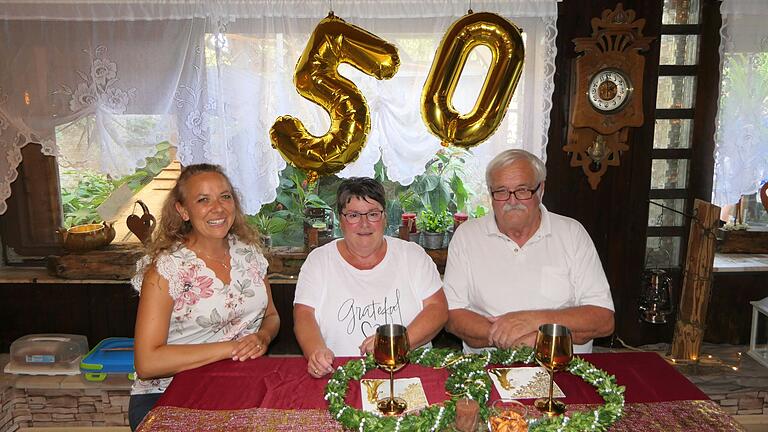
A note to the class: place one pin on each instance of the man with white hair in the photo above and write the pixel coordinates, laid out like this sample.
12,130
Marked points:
522,266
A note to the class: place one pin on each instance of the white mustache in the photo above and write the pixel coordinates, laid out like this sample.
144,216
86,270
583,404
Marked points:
509,207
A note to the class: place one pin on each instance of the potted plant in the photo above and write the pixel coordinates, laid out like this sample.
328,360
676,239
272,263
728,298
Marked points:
433,225
267,226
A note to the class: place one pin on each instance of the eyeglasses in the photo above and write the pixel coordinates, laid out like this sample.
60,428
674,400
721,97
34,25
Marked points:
356,217
520,194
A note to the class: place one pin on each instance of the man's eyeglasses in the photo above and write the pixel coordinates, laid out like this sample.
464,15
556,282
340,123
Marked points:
520,194
356,217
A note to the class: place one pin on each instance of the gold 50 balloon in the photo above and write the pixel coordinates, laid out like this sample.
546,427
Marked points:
506,45
334,41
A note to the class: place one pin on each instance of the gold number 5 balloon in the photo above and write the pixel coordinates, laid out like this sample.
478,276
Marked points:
316,78
506,45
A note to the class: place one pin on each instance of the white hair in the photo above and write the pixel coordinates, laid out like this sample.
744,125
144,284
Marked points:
507,157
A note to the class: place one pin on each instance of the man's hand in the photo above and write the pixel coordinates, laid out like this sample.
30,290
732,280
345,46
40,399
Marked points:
513,328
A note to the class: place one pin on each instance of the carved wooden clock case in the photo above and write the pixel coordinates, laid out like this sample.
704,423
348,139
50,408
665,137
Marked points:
607,91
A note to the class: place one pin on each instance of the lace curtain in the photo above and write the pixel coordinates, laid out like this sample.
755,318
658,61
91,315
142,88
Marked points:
741,139
100,84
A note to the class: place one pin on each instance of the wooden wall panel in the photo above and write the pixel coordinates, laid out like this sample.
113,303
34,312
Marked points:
95,310
616,214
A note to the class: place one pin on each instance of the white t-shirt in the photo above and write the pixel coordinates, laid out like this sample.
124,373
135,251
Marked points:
488,273
204,309
350,303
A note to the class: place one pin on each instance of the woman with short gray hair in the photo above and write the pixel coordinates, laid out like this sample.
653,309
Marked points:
350,286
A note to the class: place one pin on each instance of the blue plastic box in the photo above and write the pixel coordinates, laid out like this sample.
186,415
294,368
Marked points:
111,357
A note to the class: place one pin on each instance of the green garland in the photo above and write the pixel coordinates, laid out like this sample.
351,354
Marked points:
468,378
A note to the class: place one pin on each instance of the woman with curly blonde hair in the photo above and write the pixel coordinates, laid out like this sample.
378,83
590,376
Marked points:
204,294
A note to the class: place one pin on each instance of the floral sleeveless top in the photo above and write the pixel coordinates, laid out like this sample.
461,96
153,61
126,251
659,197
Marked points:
204,308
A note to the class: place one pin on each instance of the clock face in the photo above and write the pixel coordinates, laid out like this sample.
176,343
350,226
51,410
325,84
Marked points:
609,90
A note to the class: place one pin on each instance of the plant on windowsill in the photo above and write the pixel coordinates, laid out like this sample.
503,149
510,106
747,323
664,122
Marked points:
267,226
433,225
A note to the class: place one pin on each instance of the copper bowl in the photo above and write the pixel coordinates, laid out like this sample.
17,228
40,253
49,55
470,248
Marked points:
81,238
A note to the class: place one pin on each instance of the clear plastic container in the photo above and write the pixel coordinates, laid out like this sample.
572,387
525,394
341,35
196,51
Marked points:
47,354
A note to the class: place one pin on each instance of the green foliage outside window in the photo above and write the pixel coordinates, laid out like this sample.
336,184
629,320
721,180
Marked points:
80,201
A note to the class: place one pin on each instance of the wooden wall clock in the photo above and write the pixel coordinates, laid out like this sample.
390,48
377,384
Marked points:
607,96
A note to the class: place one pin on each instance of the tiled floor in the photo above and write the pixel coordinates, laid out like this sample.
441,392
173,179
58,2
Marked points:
715,375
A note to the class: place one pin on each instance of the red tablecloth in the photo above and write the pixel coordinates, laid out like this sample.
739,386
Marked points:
277,394
283,383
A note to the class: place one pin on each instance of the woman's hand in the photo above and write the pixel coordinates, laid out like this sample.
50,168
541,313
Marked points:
320,362
250,347
367,346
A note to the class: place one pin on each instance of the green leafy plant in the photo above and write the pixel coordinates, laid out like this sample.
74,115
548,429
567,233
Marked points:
439,189
479,211
266,224
430,221
294,195
79,203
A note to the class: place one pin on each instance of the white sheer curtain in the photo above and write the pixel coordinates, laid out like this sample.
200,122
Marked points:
99,84
741,154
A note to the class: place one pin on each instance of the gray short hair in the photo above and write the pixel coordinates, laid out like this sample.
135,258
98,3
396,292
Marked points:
360,187
507,157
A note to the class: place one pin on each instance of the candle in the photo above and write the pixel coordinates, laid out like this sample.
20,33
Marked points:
467,412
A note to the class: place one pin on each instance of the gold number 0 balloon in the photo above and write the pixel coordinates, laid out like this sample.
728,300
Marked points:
506,45
316,78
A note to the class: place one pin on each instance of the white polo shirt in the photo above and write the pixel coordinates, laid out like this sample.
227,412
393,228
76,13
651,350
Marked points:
488,273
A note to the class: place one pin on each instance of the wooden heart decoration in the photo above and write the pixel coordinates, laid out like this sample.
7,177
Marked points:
764,195
141,226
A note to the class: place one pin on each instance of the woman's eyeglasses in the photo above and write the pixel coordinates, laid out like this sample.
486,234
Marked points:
356,217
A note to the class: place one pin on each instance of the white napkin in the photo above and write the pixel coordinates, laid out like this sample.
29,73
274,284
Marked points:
409,389
525,383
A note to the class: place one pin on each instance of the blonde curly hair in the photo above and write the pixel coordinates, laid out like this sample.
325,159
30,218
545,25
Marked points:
172,230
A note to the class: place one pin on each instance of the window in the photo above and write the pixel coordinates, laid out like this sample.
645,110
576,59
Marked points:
89,196
673,139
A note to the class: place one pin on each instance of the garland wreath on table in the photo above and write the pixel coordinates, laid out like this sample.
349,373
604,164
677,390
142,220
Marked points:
468,378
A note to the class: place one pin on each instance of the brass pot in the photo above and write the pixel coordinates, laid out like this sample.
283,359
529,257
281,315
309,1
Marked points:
81,238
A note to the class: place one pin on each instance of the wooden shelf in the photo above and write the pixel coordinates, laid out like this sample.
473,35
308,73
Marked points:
118,262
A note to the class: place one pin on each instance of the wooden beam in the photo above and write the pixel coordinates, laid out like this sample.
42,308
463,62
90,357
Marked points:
697,283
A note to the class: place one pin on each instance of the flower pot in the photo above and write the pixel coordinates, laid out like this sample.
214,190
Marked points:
433,240
415,237
266,240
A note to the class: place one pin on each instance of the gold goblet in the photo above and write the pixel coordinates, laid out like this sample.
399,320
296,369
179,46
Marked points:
391,353
554,351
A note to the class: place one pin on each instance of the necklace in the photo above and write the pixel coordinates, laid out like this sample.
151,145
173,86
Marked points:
222,262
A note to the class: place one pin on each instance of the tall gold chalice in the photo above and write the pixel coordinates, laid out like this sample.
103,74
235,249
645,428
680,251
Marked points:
391,353
554,351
